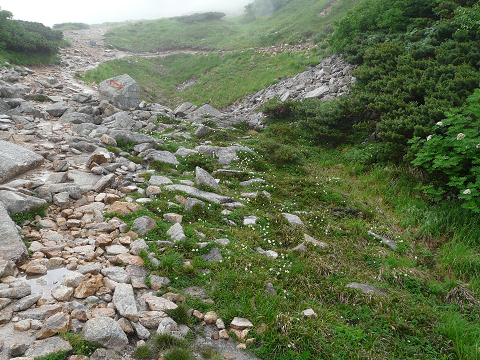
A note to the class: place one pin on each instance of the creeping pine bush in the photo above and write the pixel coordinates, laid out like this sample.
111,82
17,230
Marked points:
451,154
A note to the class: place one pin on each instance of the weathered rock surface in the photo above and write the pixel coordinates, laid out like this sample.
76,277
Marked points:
16,160
11,244
122,91
106,332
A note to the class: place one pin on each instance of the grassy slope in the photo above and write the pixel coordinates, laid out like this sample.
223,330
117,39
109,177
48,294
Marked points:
427,313
221,79
431,279
298,20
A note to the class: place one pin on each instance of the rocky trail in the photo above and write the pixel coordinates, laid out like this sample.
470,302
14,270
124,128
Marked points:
54,134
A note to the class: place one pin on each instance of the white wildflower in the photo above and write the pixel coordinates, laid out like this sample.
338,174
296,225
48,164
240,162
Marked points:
460,136
467,192
439,123
429,137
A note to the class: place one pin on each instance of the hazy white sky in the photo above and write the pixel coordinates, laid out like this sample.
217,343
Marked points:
50,12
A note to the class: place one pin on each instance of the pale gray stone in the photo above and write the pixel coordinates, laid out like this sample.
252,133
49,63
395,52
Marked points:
366,288
176,232
16,160
213,256
190,190
74,278
116,274
16,202
293,219
121,91
141,331
45,347
15,290
159,180
106,332
202,177
124,301
143,225
93,269
26,302
191,202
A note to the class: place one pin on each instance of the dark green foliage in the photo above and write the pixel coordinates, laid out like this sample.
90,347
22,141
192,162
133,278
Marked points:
143,352
61,355
21,217
180,314
179,354
200,17
450,154
27,42
79,344
166,341
125,145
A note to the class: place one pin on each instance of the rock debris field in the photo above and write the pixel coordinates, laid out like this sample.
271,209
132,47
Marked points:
54,135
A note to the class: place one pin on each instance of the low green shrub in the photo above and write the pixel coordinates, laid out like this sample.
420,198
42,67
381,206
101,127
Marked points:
450,155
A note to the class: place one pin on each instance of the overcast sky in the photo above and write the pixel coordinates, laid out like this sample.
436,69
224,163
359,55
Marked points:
50,12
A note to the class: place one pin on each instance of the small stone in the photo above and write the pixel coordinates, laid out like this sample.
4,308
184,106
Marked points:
220,324
224,334
309,313
23,325
240,323
215,336
197,315
241,346
173,218
210,317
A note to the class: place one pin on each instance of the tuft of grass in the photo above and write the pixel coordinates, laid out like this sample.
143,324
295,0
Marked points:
30,216
180,314
179,354
143,352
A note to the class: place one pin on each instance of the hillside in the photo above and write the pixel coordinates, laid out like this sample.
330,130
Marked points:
294,23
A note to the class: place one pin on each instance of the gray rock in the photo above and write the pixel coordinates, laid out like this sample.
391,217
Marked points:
11,245
131,136
117,274
17,349
390,243
204,178
252,181
93,269
191,202
81,98
366,288
122,91
77,118
184,109
143,225
47,346
317,92
61,199
57,109
74,278
215,198
293,219
26,302
16,160
138,245
213,256
105,354
204,111
106,332
162,156
202,131
103,183
40,313
159,180
141,331
7,268
119,120
16,202
124,301
116,250
176,232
